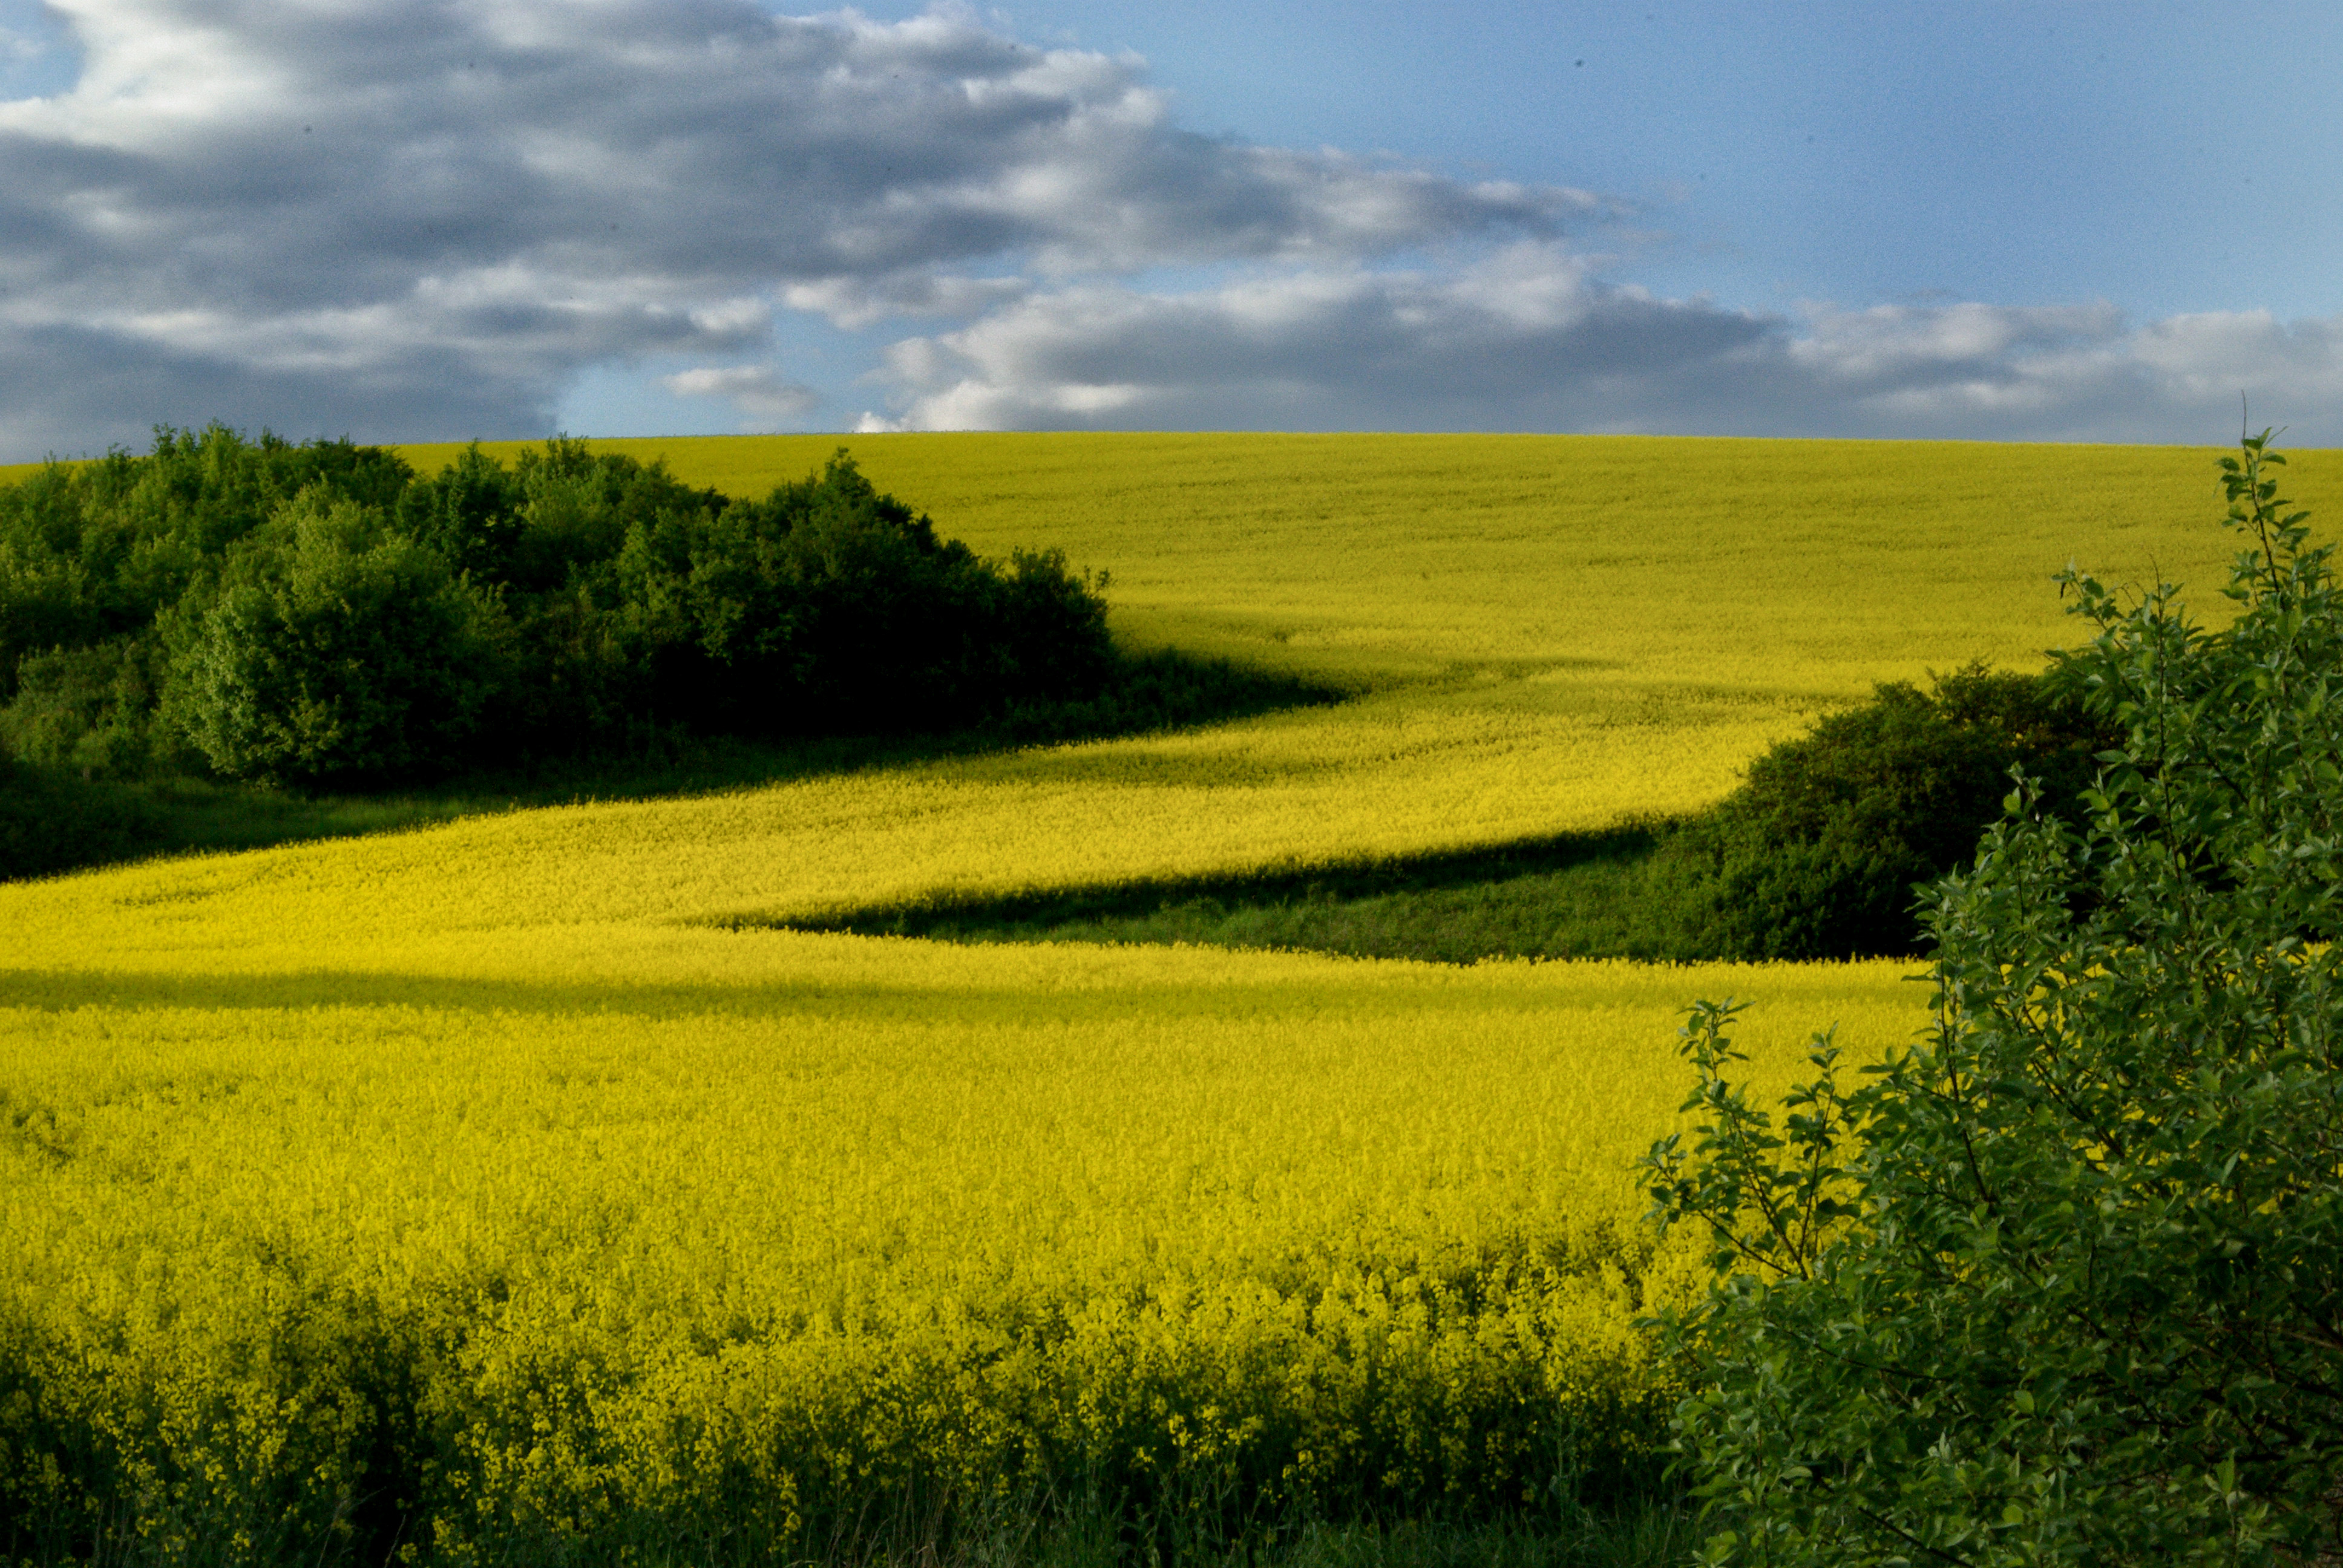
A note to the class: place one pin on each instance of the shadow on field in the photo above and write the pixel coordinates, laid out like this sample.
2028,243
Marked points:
306,991
1566,895
905,999
51,822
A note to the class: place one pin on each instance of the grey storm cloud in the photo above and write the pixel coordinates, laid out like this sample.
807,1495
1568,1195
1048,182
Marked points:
425,218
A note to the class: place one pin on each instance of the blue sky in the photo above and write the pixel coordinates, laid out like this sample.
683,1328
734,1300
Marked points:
1872,153
410,218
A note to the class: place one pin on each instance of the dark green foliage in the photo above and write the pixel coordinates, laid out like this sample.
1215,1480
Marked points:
55,821
831,609
85,710
2064,1282
315,615
94,551
470,513
331,649
1820,852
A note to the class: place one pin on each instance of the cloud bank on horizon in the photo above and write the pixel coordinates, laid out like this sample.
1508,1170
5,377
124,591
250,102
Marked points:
419,219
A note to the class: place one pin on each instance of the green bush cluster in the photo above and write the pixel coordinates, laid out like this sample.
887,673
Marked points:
1821,852
318,615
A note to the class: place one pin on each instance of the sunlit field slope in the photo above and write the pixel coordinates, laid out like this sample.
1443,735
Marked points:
1802,568
506,1189
398,1171
1551,632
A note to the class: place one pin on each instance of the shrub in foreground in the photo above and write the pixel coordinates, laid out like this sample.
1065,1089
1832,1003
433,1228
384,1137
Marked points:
2063,1283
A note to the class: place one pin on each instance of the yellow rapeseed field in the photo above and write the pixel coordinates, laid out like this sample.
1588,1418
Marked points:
483,1187
673,1231
668,1236
1604,565
1550,632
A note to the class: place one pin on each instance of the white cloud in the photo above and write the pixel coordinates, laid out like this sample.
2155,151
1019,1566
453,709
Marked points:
418,218
1526,339
759,392
852,303
1523,339
421,217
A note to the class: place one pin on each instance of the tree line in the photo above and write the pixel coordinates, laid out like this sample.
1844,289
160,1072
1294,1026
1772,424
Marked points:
319,615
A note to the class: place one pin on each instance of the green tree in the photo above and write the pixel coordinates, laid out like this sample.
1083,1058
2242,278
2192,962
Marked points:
470,513
829,606
85,710
2064,1282
332,649
93,552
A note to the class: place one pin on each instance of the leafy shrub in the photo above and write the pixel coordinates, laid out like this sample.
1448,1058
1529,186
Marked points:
2063,1283
830,607
1821,850
94,551
332,649
470,512
85,710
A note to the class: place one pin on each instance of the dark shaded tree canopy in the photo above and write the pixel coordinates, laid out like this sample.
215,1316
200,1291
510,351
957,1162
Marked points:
319,614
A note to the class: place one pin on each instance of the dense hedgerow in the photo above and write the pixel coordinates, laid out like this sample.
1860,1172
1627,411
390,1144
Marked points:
318,614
